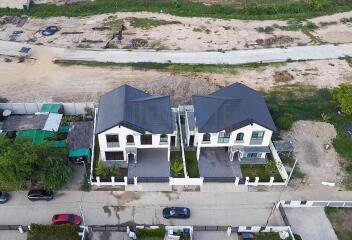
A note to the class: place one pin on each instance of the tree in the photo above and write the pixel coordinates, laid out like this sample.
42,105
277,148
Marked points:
343,96
22,161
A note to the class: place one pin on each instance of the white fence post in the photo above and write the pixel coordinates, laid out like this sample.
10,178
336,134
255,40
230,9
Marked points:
125,180
135,181
98,180
237,180
256,180
271,181
246,182
113,181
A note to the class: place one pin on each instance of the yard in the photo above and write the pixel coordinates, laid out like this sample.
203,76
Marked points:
309,103
192,164
340,219
176,164
264,172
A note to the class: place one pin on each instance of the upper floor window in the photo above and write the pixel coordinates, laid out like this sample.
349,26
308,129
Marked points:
223,137
146,139
206,138
257,137
112,140
130,139
163,139
114,156
239,137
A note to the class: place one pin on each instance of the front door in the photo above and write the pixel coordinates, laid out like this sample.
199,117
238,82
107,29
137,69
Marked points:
236,156
131,158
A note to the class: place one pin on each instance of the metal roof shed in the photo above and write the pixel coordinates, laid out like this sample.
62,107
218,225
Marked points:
82,152
36,136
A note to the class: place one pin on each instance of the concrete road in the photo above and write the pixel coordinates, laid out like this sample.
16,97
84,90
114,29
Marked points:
105,207
327,51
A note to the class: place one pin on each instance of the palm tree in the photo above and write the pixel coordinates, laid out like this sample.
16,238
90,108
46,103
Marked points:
177,167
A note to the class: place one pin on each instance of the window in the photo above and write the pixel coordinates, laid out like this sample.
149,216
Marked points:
163,139
253,155
114,156
112,141
223,137
130,139
146,139
257,137
206,138
239,137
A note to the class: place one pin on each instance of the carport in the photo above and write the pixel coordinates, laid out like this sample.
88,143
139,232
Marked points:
151,163
214,163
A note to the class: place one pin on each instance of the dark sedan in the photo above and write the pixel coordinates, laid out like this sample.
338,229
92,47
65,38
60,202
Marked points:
176,212
4,197
40,194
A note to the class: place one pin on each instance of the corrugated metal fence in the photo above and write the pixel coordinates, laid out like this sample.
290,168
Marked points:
31,108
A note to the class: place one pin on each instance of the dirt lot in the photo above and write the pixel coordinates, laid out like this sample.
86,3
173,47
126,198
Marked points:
340,219
318,163
41,80
177,32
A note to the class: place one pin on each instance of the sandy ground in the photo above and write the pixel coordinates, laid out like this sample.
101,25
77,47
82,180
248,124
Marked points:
189,34
318,164
41,80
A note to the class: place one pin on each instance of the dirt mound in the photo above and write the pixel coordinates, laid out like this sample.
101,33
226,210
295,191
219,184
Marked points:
283,76
275,40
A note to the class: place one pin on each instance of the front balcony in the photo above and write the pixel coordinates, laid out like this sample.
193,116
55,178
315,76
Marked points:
112,144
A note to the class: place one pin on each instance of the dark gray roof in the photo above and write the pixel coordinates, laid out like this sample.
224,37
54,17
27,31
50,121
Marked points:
231,108
191,120
257,149
25,122
283,146
136,110
80,135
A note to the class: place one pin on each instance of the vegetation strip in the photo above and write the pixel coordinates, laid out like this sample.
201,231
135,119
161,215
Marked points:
194,68
274,10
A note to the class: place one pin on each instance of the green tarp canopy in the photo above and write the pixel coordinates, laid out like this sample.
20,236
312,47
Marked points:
37,136
59,144
64,129
81,152
51,108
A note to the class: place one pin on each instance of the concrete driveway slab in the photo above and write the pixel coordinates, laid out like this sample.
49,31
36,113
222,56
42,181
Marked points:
310,223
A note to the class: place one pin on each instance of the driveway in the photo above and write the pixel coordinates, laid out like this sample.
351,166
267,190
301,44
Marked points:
150,163
215,163
310,223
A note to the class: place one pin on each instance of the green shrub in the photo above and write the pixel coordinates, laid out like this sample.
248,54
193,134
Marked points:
285,121
148,232
343,96
53,232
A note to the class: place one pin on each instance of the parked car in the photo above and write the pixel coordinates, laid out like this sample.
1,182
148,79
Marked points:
4,197
73,219
40,194
176,212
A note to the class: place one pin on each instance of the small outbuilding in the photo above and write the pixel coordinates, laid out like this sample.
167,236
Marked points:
79,140
52,108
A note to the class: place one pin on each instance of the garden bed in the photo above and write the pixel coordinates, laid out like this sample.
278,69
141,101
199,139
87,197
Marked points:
53,232
264,172
151,234
192,164
176,164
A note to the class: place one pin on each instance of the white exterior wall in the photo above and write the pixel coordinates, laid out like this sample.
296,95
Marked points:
247,130
123,132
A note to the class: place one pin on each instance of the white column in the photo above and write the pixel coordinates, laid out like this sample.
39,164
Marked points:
198,152
98,180
237,181
135,181
113,181
246,182
256,181
271,181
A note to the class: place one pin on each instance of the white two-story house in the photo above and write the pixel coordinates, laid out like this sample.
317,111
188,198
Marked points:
235,119
129,119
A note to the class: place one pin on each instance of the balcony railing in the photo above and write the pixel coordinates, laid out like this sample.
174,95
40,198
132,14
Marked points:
163,142
129,143
256,141
223,140
206,141
112,144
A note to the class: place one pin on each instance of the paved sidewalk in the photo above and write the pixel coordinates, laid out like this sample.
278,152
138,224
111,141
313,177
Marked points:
327,51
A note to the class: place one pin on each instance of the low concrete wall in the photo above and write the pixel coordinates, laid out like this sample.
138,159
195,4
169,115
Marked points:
278,162
112,183
186,181
13,3
346,204
255,229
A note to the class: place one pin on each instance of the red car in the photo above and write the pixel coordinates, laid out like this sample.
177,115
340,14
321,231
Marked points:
66,219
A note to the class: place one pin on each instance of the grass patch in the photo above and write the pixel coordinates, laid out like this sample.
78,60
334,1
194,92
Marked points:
150,234
201,29
267,30
264,172
349,60
340,219
308,103
267,236
178,68
114,24
53,232
290,161
147,23
176,164
192,164
276,10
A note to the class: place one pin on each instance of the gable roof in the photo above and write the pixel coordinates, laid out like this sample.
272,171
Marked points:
136,110
231,108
